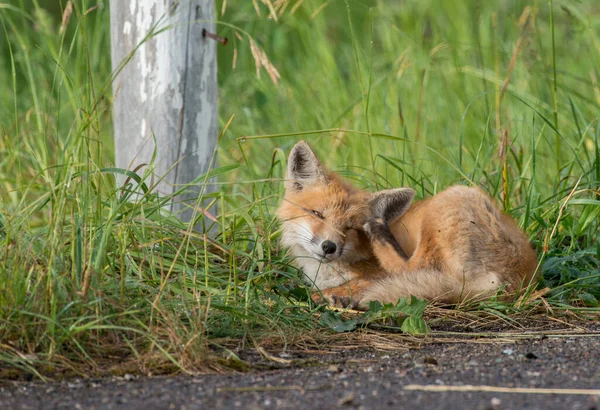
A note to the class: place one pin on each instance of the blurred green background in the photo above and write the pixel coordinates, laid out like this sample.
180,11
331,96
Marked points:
425,71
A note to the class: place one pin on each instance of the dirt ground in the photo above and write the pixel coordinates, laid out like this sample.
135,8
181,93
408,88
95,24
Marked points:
376,377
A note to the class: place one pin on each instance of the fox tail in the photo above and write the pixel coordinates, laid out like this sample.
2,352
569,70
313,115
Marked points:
433,286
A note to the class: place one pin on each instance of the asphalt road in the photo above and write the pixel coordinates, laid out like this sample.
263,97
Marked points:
356,379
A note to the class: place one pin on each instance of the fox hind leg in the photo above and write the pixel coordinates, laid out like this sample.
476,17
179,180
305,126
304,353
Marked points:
385,206
386,248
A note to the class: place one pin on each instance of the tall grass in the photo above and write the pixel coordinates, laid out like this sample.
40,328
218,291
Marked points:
425,94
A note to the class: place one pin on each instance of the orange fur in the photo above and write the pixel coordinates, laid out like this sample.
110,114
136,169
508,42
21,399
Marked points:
452,247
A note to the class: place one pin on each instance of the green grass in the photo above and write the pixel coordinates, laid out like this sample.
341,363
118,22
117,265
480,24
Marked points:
502,94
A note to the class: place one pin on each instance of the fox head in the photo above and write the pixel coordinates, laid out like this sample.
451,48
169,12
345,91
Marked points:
323,216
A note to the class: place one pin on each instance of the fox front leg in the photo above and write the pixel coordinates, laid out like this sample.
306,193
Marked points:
348,295
333,299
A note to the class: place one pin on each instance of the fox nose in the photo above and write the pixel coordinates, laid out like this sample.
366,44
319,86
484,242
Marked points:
328,247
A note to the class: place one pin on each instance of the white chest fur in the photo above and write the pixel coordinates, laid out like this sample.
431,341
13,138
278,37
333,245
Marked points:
318,274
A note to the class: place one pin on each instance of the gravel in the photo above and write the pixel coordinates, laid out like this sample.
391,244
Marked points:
353,379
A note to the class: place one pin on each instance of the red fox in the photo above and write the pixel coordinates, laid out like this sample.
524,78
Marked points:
355,247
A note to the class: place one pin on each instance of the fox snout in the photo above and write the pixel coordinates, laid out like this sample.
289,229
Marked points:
328,247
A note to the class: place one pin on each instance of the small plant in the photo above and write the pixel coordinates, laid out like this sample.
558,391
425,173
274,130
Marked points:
406,315
574,277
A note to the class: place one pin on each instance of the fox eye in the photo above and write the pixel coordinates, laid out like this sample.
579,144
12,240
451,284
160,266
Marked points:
317,214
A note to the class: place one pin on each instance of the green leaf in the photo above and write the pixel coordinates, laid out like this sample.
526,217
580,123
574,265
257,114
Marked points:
300,293
407,314
415,325
584,201
125,172
336,323
375,306
588,299
588,216
412,307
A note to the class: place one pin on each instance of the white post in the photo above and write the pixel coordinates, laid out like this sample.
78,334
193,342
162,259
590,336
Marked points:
167,91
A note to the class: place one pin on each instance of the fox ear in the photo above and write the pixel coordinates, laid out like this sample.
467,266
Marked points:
391,203
303,168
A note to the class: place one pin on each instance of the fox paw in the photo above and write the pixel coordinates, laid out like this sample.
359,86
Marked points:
338,301
374,227
378,232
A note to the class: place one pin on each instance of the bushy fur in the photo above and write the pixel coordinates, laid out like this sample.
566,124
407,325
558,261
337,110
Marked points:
452,247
